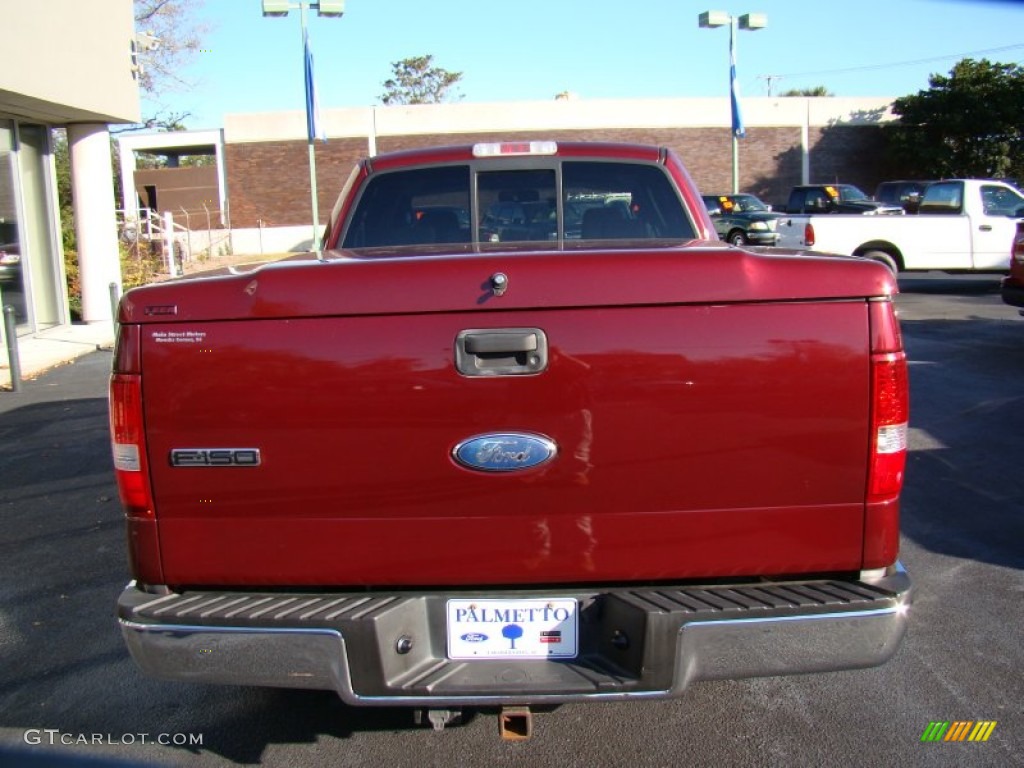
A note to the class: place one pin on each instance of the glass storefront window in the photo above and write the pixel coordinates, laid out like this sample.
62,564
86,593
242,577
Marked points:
12,279
30,271
38,233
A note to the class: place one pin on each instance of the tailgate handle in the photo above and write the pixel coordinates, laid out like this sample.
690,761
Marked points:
508,342
501,352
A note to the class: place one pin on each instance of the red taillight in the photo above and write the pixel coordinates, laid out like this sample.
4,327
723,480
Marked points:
888,425
1018,248
127,432
809,234
890,404
890,411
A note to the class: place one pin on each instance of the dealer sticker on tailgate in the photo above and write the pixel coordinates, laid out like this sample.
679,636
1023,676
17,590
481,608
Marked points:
512,629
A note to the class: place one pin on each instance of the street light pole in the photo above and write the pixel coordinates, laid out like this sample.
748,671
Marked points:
738,128
328,8
749,21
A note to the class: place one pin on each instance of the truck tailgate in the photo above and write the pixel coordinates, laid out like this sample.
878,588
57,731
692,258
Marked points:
692,440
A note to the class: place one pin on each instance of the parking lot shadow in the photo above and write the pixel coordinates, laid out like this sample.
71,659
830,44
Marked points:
64,665
964,492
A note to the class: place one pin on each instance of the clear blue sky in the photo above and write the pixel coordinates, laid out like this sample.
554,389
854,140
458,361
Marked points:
598,49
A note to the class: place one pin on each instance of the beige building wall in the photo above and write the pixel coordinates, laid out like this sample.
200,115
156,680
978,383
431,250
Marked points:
68,61
64,63
557,115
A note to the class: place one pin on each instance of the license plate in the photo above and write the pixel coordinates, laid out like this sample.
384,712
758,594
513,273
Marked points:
513,629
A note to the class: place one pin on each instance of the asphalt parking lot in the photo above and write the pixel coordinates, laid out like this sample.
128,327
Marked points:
65,675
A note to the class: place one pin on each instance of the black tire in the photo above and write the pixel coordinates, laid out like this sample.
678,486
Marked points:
737,238
883,258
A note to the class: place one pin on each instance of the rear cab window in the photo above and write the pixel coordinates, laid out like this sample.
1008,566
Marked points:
487,205
418,206
943,198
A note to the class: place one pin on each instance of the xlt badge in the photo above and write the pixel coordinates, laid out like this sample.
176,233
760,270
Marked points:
215,457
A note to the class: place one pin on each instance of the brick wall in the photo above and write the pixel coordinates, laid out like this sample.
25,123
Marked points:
848,155
269,181
174,189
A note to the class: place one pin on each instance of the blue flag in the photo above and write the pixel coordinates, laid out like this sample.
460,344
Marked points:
314,127
734,89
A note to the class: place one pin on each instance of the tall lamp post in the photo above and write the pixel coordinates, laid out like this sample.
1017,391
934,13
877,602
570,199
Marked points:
750,21
314,130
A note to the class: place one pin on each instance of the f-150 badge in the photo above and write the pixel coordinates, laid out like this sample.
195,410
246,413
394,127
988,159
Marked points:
504,451
215,457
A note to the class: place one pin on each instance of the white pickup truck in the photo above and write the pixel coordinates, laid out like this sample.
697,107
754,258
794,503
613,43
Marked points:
961,225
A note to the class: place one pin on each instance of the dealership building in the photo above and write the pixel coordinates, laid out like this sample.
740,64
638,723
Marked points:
66,66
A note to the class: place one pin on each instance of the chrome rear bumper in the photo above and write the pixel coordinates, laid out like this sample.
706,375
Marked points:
640,643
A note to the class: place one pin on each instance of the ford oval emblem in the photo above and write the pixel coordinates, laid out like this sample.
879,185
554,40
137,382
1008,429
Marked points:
505,451
474,637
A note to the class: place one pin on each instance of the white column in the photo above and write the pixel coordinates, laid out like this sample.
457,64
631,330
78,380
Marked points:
92,185
222,181
371,136
805,145
129,196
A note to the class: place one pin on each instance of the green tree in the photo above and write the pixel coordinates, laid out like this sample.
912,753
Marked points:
417,81
818,90
63,167
967,124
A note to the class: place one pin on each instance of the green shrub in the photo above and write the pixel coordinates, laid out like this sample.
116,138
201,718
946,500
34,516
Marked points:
74,284
139,267
136,269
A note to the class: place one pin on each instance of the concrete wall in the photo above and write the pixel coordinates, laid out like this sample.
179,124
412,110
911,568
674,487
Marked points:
68,61
789,140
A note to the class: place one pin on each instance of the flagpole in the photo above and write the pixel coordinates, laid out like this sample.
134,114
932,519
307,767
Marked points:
311,120
751,21
314,128
737,120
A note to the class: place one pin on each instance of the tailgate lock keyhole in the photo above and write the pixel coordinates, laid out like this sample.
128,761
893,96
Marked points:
499,283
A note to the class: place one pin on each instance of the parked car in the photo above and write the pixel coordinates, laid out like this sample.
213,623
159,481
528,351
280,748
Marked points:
742,219
1013,284
962,225
905,193
834,198
12,290
10,254
10,264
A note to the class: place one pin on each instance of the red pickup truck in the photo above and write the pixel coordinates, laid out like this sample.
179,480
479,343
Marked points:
523,432
1012,287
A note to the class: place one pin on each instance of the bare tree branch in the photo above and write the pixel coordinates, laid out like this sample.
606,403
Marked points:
174,23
